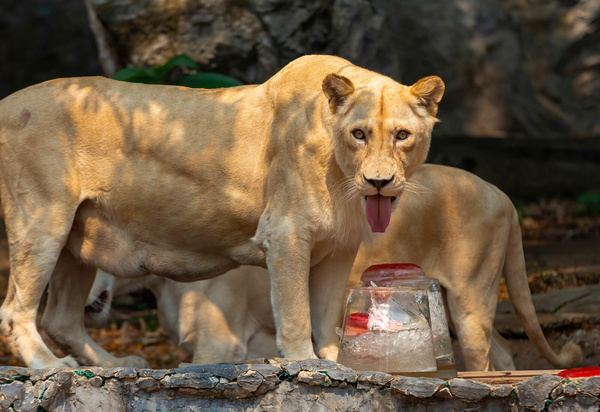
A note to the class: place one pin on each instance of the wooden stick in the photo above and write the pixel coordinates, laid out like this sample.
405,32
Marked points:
506,376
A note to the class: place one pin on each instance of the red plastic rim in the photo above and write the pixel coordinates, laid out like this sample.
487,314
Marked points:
356,323
583,372
387,273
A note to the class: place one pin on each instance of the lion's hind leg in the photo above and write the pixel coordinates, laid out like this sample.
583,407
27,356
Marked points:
34,250
64,315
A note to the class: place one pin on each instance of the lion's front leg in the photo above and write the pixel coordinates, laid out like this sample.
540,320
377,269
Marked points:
288,261
328,281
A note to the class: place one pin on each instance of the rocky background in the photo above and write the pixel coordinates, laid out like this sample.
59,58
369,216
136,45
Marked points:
526,68
512,67
43,40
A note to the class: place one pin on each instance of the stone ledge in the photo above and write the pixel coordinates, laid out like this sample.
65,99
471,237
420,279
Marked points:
280,384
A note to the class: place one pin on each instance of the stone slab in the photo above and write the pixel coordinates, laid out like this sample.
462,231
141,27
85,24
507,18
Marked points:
312,385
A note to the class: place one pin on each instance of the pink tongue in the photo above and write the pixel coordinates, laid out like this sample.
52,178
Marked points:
379,212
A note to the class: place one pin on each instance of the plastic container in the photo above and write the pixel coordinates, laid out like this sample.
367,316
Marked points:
408,275
388,330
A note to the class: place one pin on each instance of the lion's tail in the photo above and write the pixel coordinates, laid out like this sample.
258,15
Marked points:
518,290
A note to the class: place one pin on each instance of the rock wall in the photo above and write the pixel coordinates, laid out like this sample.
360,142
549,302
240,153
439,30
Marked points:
43,40
526,169
279,385
512,67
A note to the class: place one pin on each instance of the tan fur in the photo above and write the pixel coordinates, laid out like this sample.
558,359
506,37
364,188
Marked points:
225,319
188,184
459,228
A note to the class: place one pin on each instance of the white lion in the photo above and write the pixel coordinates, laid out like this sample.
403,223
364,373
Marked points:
188,184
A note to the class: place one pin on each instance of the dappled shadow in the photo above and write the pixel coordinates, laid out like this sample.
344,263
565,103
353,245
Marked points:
149,179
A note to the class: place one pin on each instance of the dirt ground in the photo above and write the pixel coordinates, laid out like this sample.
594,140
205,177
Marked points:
561,249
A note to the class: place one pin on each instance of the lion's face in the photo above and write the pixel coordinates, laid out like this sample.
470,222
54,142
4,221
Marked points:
381,136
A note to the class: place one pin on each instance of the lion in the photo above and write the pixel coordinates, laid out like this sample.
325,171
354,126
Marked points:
459,228
225,319
134,179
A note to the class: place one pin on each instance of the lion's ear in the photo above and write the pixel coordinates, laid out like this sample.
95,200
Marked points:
337,89
429,90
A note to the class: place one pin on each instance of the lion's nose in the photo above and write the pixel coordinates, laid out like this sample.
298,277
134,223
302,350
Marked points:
379,183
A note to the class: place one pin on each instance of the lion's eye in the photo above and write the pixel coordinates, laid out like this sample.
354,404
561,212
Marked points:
358,134
402,135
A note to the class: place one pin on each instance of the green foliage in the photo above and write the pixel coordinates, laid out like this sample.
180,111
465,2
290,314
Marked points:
181,70
588,204
134,75
522,211
209,81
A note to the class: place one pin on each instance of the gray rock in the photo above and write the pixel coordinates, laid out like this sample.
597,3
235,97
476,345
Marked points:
533,393
266,386
346,375
317,365
125,373
86,398
557,392
232,390
375,378
240,369
221,370
43,374
417,387
9,394
266,370
109,372
587,399
250,380
190,380
590,385
468,390
292,368
39,388
96,381
18,374
569,389
314,378
154,373
225,385
562,404
444,393
49,394
147,384
502,391
27,402
63,378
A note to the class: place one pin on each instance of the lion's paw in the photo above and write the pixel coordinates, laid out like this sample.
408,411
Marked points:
328,352
68,362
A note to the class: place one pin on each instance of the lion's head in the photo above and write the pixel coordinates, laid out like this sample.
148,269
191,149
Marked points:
381,131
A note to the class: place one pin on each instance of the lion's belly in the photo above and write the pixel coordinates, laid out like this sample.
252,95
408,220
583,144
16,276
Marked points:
179,252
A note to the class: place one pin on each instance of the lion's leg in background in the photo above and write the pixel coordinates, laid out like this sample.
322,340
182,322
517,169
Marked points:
473,297
501,353
205,327
472,301
474,330
33,255
64,315
328,281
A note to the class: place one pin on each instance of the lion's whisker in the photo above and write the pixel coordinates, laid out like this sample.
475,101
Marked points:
417,189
